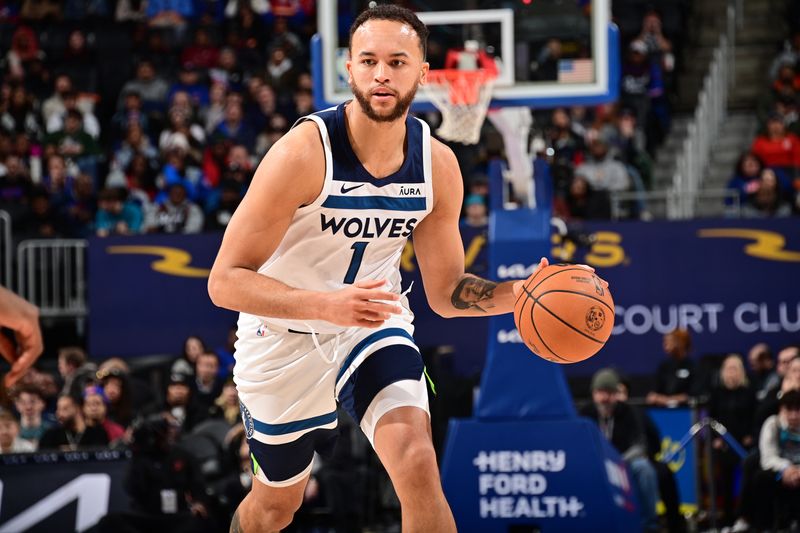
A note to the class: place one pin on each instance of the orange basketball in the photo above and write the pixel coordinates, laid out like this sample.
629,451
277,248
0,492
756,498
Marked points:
564,313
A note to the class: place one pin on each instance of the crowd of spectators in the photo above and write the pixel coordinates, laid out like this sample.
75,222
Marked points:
143,117
179,420
767,176
759,409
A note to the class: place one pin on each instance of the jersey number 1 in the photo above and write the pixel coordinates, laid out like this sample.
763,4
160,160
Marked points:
355,262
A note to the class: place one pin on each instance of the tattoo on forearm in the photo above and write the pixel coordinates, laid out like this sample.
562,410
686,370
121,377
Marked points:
236,527
474,293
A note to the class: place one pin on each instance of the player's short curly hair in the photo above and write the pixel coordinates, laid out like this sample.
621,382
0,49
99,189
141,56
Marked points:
394,13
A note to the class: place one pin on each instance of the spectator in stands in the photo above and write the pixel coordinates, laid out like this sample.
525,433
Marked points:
790,55
228,403
42,221
164,482
207,386
476,213
769,405
762,370
667,486
584,202
183,134
235,128
779,446
285,39
29,403
16,185
10,441
213,114
130,113
201,53
117,390
19,116
776,147
193,346
658,46
228,72
732,403
72,433
23,51
191,82
247,35
152,88
230,196
643,90
95,413
75,370
54,105
173,16
115,215
176,214
178,403
225,353
746,176
80,208
135,142
281,73
545,68
140,175
620,425
59,180
89,121
601,171
79,62
74,143
262,107
674,377
180,168
769,198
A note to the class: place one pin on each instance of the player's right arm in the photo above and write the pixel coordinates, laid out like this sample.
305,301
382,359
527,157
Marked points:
290,175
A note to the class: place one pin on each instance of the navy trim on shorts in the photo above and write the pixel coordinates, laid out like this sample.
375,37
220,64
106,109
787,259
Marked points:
371,339
385,366
282,462
291,427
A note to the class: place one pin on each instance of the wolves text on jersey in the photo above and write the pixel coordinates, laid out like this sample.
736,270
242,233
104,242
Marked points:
368,227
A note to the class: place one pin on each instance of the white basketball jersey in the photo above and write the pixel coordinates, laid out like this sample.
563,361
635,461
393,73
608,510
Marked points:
358,226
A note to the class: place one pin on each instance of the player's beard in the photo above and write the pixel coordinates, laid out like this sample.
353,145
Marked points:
403,102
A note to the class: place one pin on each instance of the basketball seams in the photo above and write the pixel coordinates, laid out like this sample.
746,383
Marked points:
590,296
563,269
536,330
527,281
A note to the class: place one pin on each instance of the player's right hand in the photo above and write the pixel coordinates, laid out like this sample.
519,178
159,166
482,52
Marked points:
361,304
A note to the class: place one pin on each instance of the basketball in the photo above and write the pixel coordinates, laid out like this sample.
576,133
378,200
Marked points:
564,313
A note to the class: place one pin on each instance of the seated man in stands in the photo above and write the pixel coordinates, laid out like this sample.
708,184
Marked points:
619,423
674,378
779,444
72,433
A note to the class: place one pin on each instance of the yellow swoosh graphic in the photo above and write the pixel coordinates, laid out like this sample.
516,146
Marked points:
173,262
768,245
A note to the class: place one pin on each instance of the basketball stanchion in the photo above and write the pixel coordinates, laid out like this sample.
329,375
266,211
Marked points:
723,433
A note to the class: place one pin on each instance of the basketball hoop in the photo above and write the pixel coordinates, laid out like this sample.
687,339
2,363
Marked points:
463,98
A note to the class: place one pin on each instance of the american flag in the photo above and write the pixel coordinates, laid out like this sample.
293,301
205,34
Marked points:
575,71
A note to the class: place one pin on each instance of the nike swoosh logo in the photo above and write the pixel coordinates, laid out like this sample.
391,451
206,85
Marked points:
345,190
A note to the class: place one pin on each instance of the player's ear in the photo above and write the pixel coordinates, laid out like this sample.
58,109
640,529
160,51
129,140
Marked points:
349,66
423,78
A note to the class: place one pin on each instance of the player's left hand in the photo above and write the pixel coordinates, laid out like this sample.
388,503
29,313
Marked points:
543,262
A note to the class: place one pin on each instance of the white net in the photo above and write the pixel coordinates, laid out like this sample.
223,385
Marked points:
463,99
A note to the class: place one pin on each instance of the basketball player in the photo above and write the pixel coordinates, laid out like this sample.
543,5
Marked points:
311,260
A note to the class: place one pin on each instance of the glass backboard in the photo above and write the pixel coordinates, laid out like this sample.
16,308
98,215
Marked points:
548,52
